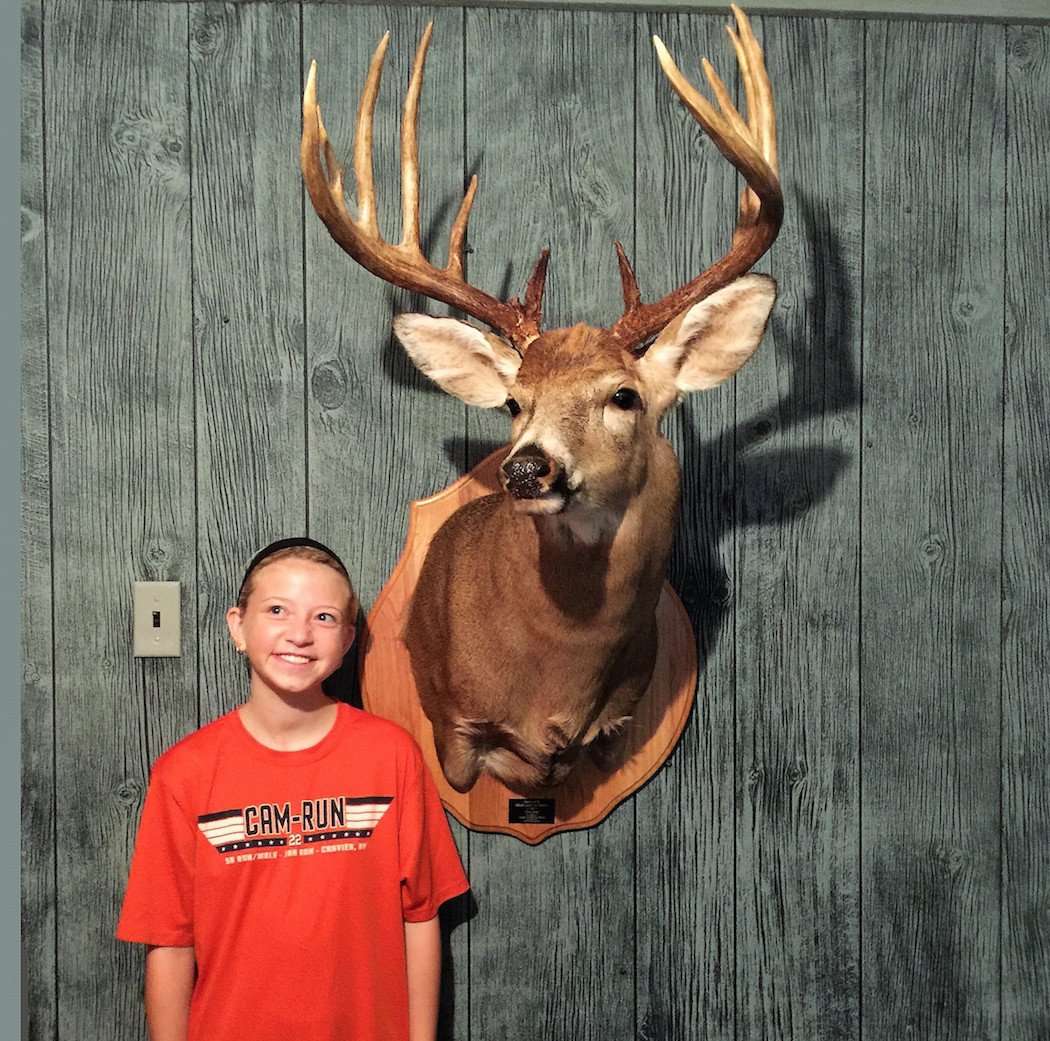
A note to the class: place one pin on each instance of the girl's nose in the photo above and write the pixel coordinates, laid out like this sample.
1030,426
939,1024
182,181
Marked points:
299,632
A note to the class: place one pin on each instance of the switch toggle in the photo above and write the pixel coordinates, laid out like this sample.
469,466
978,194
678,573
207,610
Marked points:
158,630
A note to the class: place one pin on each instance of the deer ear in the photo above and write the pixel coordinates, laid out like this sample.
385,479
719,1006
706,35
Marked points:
474,366
712,340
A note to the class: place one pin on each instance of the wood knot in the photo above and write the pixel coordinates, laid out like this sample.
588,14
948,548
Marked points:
328,384
797,772
152,142
32,225
1022,49
755,777
129,793
761,430
206,33
932,548
948,860
156,554
967,307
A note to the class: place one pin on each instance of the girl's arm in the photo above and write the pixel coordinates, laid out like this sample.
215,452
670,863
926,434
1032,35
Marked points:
423,957
170,973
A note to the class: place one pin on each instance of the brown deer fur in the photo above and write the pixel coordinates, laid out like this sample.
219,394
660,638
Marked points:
532,630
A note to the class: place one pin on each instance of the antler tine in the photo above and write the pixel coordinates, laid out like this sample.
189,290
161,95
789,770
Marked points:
404,264
458,235
631,296
410,148
366,193
534,290
757,89
751,147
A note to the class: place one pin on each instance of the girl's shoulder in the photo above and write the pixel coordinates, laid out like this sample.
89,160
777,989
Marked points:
385,733
197,749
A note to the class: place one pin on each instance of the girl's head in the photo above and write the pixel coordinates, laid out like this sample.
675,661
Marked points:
294,617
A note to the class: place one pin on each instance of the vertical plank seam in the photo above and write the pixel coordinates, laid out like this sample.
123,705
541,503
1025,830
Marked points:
736,663
194,362
305,341
860,533
1002,506
636,22
463,461
50,504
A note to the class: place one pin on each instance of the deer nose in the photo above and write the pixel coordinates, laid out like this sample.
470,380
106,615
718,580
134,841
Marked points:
523,470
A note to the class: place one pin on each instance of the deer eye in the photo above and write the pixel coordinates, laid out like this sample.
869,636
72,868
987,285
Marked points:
625,398
512,406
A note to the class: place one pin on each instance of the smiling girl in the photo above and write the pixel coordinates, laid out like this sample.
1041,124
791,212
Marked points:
292,855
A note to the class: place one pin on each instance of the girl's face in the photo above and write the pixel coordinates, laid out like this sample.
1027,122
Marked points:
295,627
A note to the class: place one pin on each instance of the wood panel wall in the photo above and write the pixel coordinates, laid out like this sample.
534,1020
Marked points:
851,840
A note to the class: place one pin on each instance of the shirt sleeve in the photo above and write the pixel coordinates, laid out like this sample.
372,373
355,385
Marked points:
158,901
431,871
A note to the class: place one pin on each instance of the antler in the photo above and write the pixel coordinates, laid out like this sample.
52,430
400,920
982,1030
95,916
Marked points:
752,148
404,264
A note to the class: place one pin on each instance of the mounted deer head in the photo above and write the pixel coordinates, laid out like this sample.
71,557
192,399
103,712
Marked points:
548,656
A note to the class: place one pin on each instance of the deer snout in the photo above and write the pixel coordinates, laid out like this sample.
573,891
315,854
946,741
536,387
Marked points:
529,473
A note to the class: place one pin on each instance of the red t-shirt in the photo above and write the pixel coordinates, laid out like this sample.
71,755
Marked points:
291,874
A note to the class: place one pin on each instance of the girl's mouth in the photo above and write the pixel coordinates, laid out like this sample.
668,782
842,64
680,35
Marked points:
295,659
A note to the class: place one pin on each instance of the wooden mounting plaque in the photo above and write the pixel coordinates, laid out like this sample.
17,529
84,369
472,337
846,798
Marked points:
587,796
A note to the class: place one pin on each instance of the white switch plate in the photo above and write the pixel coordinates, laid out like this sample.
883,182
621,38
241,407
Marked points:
158,632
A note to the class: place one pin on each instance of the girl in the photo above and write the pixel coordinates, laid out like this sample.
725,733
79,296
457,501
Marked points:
292,855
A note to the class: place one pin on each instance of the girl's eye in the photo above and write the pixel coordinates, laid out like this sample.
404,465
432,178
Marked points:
513,407
324,616
625,398
275,609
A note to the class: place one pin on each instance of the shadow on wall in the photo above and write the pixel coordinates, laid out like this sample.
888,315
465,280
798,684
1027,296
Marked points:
776,485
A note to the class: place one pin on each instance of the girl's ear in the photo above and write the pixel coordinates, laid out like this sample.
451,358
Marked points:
710,341
234,621
348,638
472,365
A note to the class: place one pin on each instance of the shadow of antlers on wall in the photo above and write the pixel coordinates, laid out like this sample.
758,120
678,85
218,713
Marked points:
771,486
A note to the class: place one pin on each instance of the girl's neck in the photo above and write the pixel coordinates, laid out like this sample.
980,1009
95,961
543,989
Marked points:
285,725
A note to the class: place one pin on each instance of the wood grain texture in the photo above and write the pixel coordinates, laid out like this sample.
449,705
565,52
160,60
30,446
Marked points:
380,434
685,207
933,321
1026,547
38,735
308,415
797,567
118,269
247,309
549,130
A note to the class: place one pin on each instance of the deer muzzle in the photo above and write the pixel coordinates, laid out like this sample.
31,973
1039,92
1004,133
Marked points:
531,476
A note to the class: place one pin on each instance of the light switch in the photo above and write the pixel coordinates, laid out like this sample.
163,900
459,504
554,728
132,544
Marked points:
158,632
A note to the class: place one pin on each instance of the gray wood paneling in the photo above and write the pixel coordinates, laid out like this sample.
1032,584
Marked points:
1026,550
122,458
549,104
821,857
247,308
797,495
685,209
380,434
38,788
933,321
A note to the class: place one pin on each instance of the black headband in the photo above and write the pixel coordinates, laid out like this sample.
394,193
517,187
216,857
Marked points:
276,547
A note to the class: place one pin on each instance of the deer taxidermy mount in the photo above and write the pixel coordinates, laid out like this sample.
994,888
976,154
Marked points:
532,632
